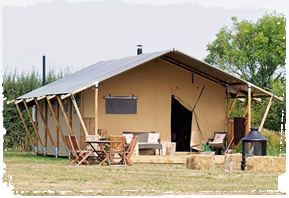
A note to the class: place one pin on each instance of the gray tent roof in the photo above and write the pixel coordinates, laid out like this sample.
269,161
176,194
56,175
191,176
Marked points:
103,70
91,75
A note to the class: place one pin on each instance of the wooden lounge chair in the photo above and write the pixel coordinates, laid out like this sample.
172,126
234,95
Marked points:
117,146
82,156
219,141
130,150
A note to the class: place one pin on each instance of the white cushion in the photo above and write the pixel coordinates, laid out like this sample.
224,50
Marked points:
219,138
128,137
153,137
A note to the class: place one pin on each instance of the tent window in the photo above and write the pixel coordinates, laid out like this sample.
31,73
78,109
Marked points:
121,105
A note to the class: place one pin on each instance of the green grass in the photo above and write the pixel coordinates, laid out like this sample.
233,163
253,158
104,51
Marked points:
36,173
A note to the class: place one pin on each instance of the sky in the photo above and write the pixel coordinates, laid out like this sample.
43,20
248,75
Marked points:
79,33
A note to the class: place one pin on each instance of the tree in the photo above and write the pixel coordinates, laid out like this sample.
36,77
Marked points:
255,52
15,85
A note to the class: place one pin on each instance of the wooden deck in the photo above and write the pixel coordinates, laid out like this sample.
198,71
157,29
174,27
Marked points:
179,158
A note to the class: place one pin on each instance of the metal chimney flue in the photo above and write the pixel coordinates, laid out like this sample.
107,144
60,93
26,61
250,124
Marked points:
43,70
139,49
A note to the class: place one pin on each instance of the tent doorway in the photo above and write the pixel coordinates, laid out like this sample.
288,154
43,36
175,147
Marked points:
181,119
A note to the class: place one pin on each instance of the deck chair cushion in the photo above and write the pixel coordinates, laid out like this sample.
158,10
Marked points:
153,137
219,138
128,137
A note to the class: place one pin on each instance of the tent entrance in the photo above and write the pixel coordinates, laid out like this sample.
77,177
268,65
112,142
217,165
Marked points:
181,119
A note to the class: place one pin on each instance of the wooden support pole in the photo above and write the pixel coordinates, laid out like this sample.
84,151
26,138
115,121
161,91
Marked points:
65,96
70,113
26,128
58,129
249,108
40,98
96,110
246,110
268,93
266,113
79,115
56,119
10,102
34,126
64,114
231,108
228,102
45,124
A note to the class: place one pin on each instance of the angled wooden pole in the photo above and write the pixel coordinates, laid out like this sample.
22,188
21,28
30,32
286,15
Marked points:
79,115
246,110
266,113
231,108
64,115
70,113
35,128
26,128
45,124
55,116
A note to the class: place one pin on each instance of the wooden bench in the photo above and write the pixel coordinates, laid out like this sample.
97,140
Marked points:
143,141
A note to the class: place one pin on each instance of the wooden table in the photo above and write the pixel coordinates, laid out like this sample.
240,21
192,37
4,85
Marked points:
102,153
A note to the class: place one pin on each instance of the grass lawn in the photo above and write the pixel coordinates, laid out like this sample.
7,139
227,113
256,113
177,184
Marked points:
36,175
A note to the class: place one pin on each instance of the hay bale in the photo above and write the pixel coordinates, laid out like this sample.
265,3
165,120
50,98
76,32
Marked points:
232,162
189,161
200,162
208,153
266,163
282,155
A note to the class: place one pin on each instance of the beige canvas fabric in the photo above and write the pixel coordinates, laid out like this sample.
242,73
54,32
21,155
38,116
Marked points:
154,83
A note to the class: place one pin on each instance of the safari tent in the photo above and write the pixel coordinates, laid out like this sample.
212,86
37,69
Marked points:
169,92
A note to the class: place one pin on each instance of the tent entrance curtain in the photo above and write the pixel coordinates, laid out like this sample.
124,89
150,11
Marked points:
196,136
181,119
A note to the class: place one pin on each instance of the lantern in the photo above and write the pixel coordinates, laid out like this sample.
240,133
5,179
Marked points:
253,144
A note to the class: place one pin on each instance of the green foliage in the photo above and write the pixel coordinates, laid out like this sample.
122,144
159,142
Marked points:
274,146
15,85
255,52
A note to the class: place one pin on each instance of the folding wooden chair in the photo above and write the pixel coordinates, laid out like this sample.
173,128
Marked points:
72,156
97,152
117,146
81,155
130,150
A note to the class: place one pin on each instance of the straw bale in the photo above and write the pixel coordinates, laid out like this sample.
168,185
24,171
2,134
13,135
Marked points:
200,162
283,155
266,163
232,162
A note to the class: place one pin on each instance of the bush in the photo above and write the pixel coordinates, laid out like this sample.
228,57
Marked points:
274,147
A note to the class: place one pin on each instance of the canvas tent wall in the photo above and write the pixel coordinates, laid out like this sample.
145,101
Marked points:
154,78
154,83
